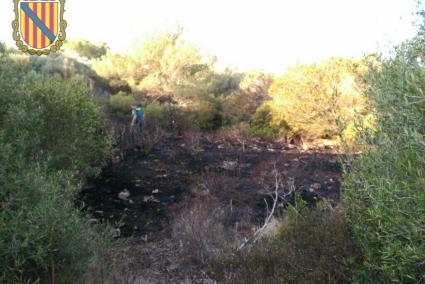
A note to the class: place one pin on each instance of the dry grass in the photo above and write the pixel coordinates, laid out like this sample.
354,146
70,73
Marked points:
310,248
122,265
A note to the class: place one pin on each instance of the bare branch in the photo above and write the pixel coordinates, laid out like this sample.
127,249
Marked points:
278,193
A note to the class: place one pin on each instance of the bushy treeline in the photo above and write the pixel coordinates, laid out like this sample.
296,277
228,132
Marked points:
51,138
383,189
312,100
167,69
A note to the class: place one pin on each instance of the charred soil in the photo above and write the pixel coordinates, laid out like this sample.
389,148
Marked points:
141,195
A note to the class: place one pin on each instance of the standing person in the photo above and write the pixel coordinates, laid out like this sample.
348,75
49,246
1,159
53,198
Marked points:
137,119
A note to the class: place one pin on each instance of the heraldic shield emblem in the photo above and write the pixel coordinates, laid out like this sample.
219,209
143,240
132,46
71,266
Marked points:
39,27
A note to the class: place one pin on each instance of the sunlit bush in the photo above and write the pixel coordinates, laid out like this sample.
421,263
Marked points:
164,65
310,99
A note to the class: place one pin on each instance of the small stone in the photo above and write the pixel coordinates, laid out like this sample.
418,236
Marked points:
135,228
117,233
315,186
93,221
156,191
131,201
230,165
147,198
124,195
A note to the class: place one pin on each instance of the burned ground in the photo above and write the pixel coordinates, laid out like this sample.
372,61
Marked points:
157,181
142,195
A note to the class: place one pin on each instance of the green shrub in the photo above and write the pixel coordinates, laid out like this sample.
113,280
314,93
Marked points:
118,106
41,230
52,120
383,189
167,117
51,138
261,124
208,116
309,247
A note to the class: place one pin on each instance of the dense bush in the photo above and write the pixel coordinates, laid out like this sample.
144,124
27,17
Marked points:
207,115
118,106
51,138
311,98
48,119
166,116
164,66
41,231
261,123
384,188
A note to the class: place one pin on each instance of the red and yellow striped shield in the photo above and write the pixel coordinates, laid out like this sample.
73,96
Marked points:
40,25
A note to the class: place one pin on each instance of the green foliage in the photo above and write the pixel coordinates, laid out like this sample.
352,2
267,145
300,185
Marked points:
51,138
168,69
88,49
309,247
383,188
223,83
208,116
261,123
164,66
166,116
48,119
118,106
310,98
2,47
41,230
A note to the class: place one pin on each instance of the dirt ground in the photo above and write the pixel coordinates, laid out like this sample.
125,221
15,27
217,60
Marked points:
141,195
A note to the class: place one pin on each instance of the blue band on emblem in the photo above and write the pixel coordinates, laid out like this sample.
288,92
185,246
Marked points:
38,22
